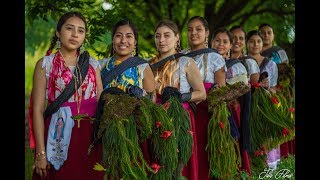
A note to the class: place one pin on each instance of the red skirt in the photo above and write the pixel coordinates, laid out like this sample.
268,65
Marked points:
235,108
79,165
288,148
190,171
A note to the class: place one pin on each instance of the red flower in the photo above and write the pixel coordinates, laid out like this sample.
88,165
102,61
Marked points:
255,85
155,167
258,153
158,124
166,134
291,109
274,100
285,132
166,105
191,132
221,125
279,86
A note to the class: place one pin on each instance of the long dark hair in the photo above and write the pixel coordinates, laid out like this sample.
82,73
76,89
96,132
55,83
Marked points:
202,19
134,29
60,23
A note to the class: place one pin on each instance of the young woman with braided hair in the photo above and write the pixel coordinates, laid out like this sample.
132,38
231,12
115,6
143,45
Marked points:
212,69
178,74
69,80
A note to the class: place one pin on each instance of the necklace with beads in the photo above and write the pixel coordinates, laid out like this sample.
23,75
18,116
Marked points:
78,95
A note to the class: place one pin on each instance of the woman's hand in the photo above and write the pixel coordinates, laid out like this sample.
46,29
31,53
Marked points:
41,166
265,83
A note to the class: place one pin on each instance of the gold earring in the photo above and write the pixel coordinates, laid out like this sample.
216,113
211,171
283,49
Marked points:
134,52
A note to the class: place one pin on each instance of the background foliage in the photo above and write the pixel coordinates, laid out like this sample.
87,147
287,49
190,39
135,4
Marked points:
41,16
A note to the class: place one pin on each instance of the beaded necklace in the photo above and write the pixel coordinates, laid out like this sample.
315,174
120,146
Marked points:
78,96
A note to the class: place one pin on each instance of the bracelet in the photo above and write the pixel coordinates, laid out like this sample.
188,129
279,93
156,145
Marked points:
40,153
39,159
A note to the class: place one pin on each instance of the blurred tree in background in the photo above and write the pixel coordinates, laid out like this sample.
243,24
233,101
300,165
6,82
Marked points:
41,17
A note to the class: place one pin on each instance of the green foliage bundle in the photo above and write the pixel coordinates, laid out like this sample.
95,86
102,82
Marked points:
269,120
122,155
164,148
259,159
227,93
182,126
223,150
286,73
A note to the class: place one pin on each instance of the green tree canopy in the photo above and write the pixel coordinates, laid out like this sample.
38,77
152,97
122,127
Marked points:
145,14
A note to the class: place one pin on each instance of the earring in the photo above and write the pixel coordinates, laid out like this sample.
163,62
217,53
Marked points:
134,51
58,44
206,42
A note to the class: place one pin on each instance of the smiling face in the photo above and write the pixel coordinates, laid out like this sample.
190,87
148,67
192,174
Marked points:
197,34
124,41
72,33
254,45
238,40
165,40
221,42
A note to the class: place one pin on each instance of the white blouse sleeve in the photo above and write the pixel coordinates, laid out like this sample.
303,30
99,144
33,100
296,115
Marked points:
215,62
253,66
94,63
47,63
274,71
142,67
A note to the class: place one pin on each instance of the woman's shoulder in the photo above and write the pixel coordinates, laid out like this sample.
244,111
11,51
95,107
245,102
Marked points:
93,62
47,60
104,61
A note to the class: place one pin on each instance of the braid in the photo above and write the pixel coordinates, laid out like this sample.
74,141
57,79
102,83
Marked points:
52,44
178,48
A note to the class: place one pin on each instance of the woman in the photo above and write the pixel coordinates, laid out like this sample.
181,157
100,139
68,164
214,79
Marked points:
254,44
124,46
182,74
237,52
125,72
212,69
275,53
278,55
70,81
236,71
